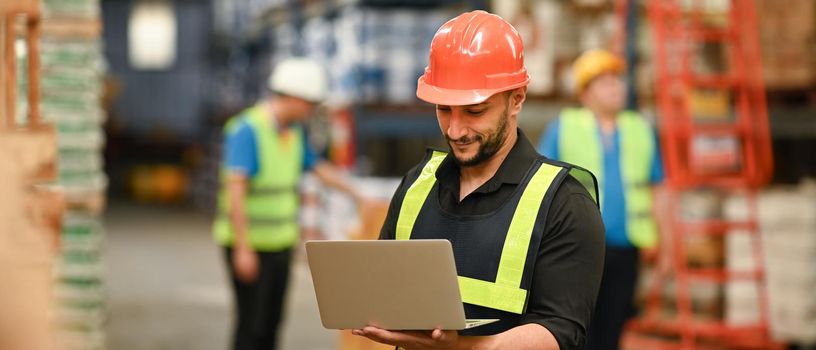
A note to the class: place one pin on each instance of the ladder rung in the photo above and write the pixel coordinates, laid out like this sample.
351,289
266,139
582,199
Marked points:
729,180
718,227
708,34
718,129
718,81
723,275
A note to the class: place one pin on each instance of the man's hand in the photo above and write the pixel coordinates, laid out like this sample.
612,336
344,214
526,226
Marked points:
245,262
244,259
412,340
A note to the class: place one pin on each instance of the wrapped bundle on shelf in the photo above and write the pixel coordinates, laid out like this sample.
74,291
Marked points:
71,89
85,9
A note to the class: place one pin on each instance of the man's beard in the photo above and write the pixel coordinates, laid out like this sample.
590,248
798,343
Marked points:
487,147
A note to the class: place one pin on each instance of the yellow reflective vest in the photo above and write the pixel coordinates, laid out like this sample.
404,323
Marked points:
579,143
509,235
272,198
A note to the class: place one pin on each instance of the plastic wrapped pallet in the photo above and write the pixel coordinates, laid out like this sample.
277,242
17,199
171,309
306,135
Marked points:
79,289
72,8
81,340
71,90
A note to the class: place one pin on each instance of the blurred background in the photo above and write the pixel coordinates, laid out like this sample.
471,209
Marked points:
133,95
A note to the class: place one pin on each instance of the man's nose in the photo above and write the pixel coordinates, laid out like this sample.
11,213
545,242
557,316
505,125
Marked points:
457,126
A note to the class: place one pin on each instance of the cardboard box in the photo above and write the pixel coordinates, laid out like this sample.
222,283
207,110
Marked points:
787,43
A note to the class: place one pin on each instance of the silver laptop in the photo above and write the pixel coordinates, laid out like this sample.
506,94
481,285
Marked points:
395,285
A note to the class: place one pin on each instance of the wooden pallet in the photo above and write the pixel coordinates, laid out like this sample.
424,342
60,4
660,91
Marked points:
30,215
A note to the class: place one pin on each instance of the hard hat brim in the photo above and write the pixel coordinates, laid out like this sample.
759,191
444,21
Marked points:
458,97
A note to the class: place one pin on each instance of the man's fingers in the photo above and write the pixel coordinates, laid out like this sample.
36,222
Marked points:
404,338
382,335
246,265
248,278
418,334
246,273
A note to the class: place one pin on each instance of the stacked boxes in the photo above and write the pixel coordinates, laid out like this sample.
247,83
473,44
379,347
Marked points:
787,231
788,225
788,219
336,215
374,55
786,35
71,89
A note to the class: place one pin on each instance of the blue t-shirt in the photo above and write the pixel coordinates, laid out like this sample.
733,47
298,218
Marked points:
613,208
241,151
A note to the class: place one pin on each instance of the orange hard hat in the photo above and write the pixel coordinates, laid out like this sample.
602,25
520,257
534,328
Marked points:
473,56
593,63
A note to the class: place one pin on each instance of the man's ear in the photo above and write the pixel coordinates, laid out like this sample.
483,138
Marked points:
517,98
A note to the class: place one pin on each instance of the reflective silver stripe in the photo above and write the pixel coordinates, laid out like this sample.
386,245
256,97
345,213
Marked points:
271,191
260,221
641,215
640,185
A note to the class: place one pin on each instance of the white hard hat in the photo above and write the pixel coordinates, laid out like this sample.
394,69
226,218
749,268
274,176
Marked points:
300,77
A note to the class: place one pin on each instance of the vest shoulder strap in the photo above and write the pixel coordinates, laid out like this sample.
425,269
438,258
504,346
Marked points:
582,175
417,193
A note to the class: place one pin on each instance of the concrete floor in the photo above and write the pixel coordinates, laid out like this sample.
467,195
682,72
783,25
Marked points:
167,286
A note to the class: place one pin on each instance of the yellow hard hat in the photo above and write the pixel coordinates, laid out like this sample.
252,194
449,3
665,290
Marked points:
593,63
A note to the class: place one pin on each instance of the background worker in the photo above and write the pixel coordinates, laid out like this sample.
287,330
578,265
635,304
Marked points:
266,154
620,148
524,230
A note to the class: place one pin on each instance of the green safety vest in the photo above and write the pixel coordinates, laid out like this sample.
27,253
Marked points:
272,198
579,143
506,292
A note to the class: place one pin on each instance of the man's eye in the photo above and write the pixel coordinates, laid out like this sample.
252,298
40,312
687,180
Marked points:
476,111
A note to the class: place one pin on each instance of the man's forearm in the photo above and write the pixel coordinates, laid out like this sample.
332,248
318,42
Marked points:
528,336
329,176
239,225
237,213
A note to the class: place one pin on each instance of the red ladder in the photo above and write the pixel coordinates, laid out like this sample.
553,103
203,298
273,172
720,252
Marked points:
728,152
